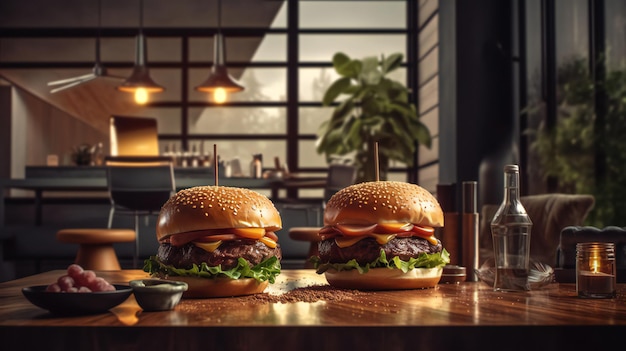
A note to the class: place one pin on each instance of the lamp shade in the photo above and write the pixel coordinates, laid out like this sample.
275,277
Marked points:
140,77
219,77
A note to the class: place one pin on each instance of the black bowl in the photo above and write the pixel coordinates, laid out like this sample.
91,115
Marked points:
65,303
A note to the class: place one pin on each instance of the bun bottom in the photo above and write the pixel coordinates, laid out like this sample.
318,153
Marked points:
220,287
385,279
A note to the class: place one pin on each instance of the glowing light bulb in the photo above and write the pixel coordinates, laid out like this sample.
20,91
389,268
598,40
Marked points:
141,96
220,95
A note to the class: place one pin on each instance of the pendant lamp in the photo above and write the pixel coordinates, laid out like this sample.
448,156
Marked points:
140,83
219,83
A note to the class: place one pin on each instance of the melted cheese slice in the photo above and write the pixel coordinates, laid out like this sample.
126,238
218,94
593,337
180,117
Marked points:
268,242
430,238
355,233
208,247
213,245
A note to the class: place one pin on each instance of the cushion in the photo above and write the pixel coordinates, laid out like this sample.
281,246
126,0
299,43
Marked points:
550,213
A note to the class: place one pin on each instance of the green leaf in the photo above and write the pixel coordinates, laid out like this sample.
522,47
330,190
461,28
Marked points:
267,270
346,67
422,261
338,87
340,59
369,73
392,62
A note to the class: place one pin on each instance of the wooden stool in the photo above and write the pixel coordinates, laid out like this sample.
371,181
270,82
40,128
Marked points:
309,234
96,250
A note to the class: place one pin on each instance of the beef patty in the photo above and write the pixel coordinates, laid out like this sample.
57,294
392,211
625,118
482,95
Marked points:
226,254
367,250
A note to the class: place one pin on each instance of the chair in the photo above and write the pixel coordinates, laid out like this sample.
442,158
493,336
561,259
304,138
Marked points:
95,249
138,186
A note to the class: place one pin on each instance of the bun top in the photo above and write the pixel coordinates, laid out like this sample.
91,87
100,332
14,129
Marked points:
383,202
216,207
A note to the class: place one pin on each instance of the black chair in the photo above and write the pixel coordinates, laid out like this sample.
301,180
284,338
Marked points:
139,186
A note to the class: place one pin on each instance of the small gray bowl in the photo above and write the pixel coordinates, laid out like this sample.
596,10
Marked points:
158,294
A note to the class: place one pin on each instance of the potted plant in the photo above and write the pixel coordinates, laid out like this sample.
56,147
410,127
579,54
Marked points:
370,108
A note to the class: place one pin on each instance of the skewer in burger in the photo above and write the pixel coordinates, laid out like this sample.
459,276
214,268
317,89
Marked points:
219,240
380,236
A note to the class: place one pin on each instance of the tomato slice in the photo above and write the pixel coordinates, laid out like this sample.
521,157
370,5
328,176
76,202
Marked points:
355,229
423,230
250,233
217,237
393,228
184,238
271,235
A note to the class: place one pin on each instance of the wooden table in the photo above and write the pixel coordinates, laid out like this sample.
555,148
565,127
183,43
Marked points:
456,317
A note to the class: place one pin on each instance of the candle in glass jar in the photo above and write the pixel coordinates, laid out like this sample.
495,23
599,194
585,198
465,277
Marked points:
595,267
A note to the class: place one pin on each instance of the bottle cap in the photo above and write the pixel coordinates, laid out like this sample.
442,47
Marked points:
453,274
511,168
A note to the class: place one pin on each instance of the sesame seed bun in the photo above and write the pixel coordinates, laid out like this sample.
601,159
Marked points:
383,202
216,207
220,287
385,279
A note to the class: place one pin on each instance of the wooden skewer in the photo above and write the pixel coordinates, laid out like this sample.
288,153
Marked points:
376,161
215,163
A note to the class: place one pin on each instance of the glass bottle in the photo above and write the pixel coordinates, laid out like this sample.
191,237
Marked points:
511,228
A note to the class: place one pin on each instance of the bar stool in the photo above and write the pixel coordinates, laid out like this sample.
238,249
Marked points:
309,234
95,249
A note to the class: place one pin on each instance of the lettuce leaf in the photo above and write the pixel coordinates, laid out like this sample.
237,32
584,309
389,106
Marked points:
422,261
268,270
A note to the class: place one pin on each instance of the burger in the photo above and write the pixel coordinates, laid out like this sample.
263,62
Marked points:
220,240
380,236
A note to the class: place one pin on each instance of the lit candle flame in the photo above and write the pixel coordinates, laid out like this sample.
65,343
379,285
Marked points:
595,261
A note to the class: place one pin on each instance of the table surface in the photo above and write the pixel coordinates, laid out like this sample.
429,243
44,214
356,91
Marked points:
289,313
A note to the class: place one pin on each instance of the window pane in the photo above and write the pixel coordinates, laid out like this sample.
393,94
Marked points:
242,151
168,118
47,49
572,29
428,177
271,47
237,120
321,47
315,81
615,30
352,14
261,84
308,156
160,49
310,118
